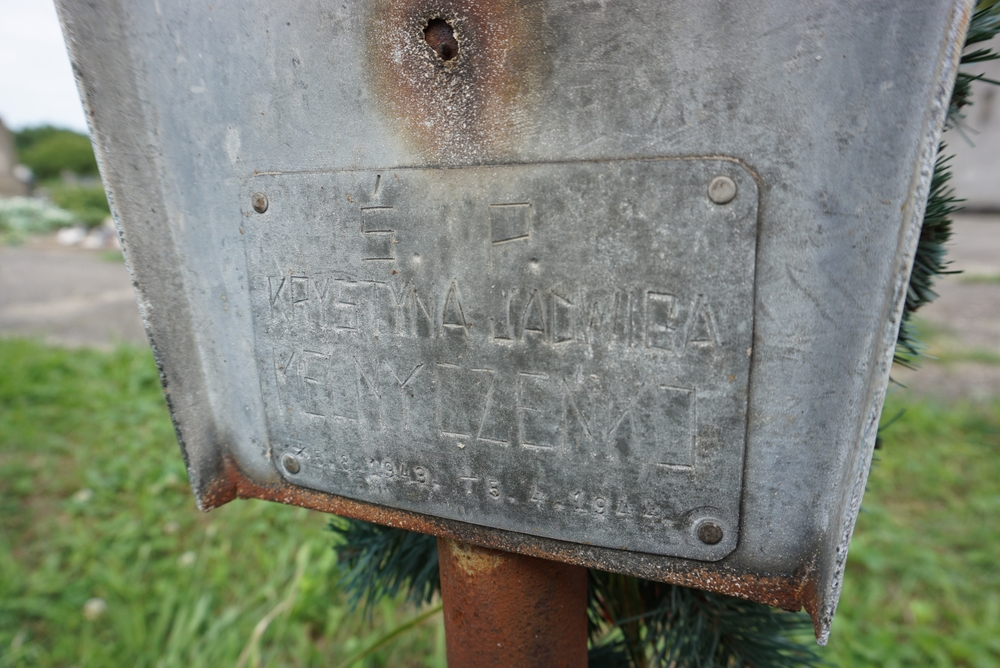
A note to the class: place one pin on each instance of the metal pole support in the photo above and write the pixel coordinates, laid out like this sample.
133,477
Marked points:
512,611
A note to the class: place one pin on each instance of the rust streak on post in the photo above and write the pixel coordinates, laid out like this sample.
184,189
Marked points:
509,610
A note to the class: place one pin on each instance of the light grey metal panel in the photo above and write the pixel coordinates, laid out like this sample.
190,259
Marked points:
479,343
835,106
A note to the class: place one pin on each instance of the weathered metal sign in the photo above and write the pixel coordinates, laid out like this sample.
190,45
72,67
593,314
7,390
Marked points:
479,343
614,283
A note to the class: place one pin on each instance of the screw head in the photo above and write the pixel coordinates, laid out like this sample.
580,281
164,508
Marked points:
710,533
291,464
259,201
722,190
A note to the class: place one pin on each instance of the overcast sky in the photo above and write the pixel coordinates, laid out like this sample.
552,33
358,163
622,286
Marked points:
36,82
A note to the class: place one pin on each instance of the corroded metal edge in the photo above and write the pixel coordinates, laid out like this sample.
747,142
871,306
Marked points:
790,591
856,472
124,134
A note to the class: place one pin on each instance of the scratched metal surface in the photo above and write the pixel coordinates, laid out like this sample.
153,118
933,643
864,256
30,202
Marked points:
480,344
835,106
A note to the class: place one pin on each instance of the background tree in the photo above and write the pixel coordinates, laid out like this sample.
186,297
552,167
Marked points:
50,151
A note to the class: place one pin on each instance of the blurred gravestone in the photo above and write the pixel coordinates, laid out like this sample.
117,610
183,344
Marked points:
10,185
976,143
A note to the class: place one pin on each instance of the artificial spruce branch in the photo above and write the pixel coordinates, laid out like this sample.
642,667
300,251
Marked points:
983,26
641,623
381,561
929,261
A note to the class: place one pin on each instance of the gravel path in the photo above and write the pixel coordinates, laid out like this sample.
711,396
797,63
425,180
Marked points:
67,296
962,326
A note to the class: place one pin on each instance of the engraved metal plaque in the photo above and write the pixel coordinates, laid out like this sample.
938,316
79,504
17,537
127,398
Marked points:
557,349
554,350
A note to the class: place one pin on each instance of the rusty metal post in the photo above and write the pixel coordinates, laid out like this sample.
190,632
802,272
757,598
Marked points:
512,611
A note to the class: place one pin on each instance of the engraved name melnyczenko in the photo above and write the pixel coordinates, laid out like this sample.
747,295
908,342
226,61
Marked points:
493,407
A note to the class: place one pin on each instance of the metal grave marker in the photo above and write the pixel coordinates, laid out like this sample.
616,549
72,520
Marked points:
609,282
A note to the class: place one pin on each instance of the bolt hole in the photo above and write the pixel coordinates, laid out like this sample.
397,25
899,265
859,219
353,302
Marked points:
441,38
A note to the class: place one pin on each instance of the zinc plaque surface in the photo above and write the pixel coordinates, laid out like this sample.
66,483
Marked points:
610,297
557,349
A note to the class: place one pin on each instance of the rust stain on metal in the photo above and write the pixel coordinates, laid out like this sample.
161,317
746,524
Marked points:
511,610
792,592
459,79
472,560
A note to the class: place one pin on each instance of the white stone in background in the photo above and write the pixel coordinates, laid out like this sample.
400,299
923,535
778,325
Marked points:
71,236
10,184
23,174
94,608
93,241
104,237
97,238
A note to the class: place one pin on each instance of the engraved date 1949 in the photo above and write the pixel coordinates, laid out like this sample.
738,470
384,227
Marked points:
400,471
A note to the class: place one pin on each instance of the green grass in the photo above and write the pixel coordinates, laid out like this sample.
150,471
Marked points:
980,278
923,575
113,256
94,504
949,356
940,345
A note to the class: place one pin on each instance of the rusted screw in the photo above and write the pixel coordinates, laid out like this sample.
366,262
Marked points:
710,533
259,201
292,465
722,190
441,38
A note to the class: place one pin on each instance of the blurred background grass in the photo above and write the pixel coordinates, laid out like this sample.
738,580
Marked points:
923,582
106,561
